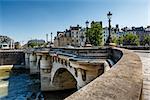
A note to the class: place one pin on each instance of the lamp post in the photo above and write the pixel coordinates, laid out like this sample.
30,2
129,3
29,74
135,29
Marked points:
51,37
87,38
109,39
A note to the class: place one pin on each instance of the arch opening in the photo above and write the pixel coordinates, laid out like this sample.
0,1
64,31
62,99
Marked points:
63,79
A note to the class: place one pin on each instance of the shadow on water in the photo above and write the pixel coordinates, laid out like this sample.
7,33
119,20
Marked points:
58,95
17,84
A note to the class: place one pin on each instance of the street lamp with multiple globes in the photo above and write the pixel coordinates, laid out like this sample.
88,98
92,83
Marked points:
109,39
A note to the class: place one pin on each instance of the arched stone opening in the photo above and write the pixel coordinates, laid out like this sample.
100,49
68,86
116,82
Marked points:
63,79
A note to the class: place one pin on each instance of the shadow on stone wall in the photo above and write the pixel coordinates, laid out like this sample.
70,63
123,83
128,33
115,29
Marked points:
12,58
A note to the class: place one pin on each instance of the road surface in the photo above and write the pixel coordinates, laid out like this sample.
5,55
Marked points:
145,58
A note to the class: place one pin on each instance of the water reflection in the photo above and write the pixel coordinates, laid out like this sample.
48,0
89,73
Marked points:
17,84
20,85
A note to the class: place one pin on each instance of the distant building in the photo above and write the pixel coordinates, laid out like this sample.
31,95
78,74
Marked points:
105,34
6,42
140,31
115,32
82,37
75,36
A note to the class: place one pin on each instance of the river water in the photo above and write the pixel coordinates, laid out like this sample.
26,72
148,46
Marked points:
20,85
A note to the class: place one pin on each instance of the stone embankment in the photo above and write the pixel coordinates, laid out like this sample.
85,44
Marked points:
12,57
122,82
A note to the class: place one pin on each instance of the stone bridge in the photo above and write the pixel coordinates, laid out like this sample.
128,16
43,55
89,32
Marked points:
122,82
108,73
64,68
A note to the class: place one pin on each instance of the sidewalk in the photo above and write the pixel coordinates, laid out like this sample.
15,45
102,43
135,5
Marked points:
145,58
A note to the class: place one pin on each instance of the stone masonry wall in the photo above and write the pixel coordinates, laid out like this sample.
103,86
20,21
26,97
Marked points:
11,57
122,82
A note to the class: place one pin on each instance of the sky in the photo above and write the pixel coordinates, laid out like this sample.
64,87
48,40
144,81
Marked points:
23,20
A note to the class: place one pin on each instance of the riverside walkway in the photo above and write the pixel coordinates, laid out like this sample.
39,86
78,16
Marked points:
145,58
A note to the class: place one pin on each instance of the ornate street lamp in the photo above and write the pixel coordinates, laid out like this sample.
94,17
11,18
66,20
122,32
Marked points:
87,38
109,39
51,37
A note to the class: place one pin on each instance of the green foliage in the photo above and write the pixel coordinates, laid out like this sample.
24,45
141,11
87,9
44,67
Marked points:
17,45
131,39
34,44
95,34
146,40
120,40
114,40
128,39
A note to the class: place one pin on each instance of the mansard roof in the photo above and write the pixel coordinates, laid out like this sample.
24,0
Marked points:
5,39
75,27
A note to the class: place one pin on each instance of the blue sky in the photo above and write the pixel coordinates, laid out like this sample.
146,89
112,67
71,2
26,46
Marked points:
23,20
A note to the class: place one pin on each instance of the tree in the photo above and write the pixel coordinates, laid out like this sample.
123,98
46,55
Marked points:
120,40
35,43
95,33
17,45
146,40
115,40
131,39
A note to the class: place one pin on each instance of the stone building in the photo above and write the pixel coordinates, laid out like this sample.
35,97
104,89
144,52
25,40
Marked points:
62,39
140,31
6,42
75,37
115,32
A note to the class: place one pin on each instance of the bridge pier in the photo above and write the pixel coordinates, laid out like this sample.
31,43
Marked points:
45,72
33,67
38,62
80,82
27,64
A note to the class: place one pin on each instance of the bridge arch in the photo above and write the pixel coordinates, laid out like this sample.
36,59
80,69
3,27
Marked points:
81,76
57,66
63,79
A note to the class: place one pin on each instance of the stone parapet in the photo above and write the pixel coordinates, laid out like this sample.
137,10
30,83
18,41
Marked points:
122,82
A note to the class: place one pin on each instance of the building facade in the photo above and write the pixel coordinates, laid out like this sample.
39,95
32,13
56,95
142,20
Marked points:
115,32
74,36
6,42
140,31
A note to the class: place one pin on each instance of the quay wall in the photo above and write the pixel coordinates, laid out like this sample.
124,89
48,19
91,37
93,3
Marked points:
12,57
122,82
136,47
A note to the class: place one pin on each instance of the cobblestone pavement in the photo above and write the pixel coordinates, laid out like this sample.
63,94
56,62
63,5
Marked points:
145,57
